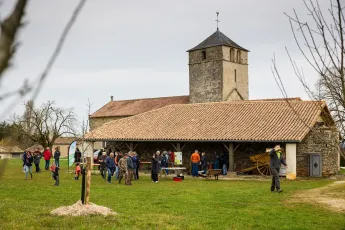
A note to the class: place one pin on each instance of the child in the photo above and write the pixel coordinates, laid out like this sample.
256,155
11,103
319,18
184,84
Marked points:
77,172
52,168
56,176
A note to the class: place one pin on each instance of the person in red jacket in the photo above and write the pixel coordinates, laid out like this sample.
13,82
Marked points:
171,158
47,155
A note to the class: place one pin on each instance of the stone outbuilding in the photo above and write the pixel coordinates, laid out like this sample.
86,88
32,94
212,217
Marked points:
305,129
9,152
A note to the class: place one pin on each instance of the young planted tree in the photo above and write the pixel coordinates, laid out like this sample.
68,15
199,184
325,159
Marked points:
44,125
320,40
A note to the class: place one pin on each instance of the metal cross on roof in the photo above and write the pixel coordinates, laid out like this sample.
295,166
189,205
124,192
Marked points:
217,20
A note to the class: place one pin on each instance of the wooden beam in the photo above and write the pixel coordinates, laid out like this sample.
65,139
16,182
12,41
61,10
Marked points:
183,146
136,145
227,148
127,145
236,148
174,147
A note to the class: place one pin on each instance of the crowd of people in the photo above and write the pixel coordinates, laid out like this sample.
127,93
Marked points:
200,163
119,165
29,158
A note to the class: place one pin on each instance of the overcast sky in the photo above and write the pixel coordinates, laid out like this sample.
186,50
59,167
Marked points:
137,49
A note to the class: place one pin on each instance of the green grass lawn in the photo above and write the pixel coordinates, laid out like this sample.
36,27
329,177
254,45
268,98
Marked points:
191,204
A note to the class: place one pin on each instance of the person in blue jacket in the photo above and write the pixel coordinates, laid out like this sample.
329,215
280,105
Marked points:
110,162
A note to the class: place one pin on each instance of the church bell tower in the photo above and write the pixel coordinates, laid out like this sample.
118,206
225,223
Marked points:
218,70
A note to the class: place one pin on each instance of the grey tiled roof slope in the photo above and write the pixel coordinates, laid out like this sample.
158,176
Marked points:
217,39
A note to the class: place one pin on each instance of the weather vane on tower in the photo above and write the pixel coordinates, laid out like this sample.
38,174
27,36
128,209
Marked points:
217,20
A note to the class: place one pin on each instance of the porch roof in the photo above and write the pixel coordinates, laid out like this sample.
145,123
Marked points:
236,121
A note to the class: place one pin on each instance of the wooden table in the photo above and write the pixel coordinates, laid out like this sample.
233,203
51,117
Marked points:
178,169
142,163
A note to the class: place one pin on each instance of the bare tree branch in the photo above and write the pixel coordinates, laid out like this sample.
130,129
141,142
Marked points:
48,123
9,29
41,78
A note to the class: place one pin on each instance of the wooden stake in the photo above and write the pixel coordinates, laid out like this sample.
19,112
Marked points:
88,179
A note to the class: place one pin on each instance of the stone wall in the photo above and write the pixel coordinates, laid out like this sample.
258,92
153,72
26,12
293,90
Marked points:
213,79
206,76
323,140
229,68
96,122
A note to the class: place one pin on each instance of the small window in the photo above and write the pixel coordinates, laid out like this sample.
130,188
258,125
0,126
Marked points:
235,76
238,56
232,54
203,55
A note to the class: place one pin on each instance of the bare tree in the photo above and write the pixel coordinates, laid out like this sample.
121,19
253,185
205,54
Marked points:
321,42
9,29
48,123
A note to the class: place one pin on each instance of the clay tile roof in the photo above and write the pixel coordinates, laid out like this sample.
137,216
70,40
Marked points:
64,140
222,121
279,99
34,147
10,149
137,106
216,39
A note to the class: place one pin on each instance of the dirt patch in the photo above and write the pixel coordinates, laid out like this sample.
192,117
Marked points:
78,209
324,196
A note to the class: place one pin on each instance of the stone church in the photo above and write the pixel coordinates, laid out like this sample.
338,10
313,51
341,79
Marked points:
218,71
217,116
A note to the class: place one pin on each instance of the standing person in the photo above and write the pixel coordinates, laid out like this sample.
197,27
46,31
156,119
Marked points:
77,172
116,165
122,168
47,155
108,152
130,168
135,162
171,158
155,167
77,155
57,156
56,175
37,159
203,162
103,165
225,162
110,166
164,162
216,161
52,169
138,165
159,159
28,164
195,159
117,160
275,163
24,160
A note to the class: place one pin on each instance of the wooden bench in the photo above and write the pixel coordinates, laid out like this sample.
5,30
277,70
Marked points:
213,172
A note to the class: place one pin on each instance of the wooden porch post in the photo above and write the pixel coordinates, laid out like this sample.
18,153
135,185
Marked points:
231,157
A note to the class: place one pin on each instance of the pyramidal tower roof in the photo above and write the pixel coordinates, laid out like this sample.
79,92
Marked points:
217,39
